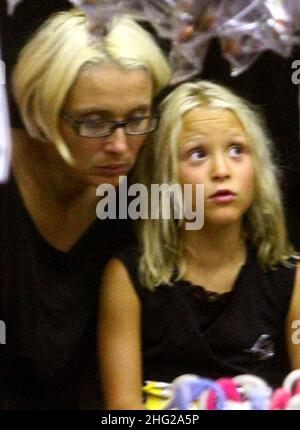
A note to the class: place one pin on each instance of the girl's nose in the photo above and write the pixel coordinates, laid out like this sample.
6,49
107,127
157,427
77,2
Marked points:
220,168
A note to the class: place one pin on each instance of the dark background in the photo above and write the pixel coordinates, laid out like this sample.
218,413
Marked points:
267,83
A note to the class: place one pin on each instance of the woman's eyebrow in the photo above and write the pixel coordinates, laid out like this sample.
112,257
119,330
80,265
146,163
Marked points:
90,111
143,108
107,113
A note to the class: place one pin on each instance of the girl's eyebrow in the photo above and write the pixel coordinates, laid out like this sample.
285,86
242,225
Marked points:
195,138
236,132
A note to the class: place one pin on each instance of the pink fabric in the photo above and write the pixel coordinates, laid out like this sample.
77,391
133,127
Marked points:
230,389
279,399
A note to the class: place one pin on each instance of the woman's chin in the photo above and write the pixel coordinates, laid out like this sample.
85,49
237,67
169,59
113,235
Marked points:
105,180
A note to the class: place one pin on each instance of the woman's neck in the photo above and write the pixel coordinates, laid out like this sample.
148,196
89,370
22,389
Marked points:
61,206
38,165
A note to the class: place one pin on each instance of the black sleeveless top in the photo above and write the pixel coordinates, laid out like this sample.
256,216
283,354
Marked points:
49,303
186,329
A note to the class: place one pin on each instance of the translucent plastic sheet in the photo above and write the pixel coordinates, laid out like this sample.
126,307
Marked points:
11,4
245,28
5,140
101,12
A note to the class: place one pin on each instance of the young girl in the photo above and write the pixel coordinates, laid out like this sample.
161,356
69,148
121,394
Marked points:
218,301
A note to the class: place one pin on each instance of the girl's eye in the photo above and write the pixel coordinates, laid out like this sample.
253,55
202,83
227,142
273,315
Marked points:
236,149
198,154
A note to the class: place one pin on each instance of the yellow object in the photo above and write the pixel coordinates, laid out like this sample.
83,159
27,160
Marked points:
157,395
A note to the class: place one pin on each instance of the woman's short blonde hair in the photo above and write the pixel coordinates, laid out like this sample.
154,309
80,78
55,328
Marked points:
264,223
52,60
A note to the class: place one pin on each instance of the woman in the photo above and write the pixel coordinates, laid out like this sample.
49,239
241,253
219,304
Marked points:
218,301
87,110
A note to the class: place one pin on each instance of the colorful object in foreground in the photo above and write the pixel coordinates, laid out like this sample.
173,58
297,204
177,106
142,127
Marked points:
243,392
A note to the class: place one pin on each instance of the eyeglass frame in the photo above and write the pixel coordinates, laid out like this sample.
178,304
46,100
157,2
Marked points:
75,124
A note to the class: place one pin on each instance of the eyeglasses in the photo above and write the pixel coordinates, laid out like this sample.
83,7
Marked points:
91,128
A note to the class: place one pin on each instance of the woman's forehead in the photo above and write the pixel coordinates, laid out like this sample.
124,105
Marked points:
109,88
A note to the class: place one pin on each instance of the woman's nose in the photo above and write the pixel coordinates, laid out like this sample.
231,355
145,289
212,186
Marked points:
117,141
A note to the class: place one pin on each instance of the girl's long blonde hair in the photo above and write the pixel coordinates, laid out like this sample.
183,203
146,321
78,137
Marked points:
264,223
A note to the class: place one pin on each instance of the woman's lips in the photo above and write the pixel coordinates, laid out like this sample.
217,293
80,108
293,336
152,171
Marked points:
113,169
223,196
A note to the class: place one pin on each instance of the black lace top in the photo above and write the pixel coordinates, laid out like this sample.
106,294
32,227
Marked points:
186,329
208,305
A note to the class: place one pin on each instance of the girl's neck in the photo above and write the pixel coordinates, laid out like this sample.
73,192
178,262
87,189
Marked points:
212,246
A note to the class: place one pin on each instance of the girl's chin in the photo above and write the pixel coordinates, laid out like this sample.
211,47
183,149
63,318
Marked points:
223,221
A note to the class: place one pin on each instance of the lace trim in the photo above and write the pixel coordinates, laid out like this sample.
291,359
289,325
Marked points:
200,292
